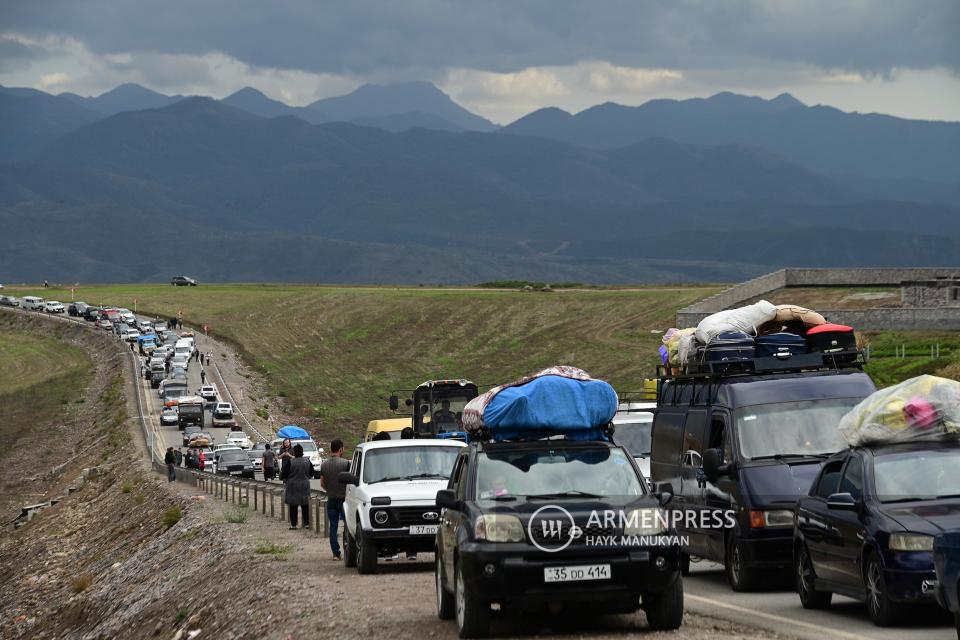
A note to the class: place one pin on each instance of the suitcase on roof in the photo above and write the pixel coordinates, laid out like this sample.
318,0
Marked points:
780,345
831,338
729,351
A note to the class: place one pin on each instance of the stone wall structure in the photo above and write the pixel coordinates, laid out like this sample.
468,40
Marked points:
906,318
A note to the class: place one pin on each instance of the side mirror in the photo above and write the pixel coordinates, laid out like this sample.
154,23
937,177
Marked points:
841,501
408,402
394,403
663,492
713,467
447,499
346,477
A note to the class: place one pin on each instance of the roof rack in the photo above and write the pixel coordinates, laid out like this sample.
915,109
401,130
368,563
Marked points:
800,362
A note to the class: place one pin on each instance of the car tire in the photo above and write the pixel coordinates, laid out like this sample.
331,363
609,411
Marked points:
472,614
810,598
446,606
739,576
882,610
349,548
366,553
665,609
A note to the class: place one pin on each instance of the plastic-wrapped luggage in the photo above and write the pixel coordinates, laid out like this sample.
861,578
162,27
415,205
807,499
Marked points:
560,399
922,408
747,319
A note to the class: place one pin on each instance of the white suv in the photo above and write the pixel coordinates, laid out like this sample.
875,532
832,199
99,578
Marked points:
52,306
391,501
240,439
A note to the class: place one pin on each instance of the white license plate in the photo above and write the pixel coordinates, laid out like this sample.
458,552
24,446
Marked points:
577,573
423,529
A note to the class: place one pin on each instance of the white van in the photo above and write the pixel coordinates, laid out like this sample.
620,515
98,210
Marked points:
33,303
184,347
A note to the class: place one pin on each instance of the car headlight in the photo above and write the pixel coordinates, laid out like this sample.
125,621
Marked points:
498,527
771,519
910,542
648,521
380,517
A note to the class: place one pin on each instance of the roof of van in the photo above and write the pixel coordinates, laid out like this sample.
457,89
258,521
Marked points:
742,391
388,424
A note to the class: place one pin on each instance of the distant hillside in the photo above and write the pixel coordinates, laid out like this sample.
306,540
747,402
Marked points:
32,119
125,97
209,187
820,138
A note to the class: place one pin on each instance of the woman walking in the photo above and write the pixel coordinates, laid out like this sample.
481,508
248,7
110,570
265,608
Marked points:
297,492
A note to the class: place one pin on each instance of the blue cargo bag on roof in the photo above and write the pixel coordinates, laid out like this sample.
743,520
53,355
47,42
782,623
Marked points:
561,400
293,432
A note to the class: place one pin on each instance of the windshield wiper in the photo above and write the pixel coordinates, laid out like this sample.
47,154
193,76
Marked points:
389,479
563,494
791,456
506,498
414,477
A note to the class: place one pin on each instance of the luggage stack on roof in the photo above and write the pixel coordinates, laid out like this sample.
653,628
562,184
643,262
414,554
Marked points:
761,337
559,401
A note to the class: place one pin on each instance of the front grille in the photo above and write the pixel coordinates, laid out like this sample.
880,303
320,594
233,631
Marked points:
560,535
406,516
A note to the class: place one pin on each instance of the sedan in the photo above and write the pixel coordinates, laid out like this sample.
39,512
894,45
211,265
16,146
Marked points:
235,463
52,306
256,457
169,416
9,301
866,530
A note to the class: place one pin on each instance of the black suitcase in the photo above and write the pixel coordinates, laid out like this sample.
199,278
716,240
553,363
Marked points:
831,338
781,345
729,351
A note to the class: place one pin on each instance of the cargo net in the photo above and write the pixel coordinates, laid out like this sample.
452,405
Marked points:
922,408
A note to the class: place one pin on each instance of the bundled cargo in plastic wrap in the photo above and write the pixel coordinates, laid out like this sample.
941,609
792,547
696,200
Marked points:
676,346
922,408
559,400
746,319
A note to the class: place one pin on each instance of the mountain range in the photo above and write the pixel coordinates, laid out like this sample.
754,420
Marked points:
399,184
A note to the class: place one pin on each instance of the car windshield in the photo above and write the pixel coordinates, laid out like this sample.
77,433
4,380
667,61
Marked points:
308,447
236,434
634,437
405,463
228,456
445,413
917,475
804,428
594,471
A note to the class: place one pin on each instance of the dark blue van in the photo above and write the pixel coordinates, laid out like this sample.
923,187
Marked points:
737,450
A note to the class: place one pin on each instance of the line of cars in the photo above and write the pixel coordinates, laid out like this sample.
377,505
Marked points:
764,445
32,303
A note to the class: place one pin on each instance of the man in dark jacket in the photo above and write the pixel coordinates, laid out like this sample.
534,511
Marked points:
170,461
178,457
269,463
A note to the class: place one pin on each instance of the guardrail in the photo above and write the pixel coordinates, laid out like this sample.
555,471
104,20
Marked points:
260,496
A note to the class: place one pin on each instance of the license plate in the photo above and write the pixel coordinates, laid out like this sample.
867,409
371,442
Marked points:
577,573
423,529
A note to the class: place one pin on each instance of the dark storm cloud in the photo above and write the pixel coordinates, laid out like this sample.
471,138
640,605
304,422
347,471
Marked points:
363,37
15,55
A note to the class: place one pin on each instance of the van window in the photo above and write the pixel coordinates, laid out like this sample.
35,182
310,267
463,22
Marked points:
829,479
667,437
693,437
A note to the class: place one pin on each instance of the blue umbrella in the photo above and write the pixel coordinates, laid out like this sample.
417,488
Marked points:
293,432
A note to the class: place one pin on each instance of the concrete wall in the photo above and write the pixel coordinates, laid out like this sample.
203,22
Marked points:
904,319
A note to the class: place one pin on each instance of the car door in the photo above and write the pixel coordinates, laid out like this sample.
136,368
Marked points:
350,502
815,520
450,519
691,474
849,529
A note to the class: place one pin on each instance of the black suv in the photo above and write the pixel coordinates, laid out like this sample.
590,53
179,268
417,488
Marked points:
183,281
527,525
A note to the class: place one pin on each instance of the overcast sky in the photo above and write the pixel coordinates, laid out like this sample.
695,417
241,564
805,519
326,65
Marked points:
501,59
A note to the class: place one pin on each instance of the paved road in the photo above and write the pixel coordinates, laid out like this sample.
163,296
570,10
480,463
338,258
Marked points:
706,591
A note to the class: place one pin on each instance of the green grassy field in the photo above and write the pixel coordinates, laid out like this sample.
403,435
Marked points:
38,377
337,353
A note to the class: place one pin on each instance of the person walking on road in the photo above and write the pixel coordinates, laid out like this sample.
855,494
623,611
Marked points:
169,460
269,463
203,376
330,472
178,457
297,492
